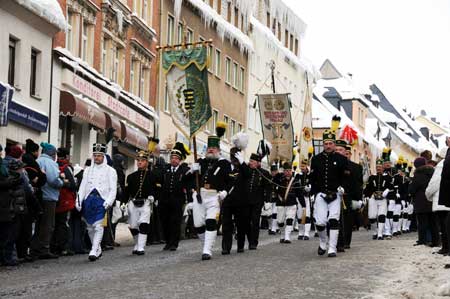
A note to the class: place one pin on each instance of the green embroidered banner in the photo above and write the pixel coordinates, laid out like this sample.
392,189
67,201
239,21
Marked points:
187,87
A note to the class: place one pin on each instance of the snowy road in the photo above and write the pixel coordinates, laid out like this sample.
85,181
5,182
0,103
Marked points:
273,271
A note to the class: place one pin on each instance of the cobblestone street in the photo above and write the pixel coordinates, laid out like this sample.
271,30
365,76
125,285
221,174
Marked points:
273,271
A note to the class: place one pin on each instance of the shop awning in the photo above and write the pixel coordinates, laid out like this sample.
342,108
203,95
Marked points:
115,123
71,105
134,137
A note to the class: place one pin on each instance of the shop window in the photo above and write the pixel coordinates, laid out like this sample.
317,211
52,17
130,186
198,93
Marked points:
34,72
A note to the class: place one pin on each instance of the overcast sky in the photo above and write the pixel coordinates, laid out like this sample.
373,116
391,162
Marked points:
403,46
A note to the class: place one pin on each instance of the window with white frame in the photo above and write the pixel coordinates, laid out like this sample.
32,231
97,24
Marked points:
12,65
115,64
226,120
132,77
235,75
170,30
211,58
84,41
180,36
232,127
239,127
69,32
218,63
242,79
34,72
141,81
228,73
190,36
104,57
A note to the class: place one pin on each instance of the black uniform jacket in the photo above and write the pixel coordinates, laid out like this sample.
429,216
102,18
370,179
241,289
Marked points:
327,172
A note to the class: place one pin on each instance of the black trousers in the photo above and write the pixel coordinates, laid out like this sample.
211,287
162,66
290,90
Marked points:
441,218
231,216
78,232
40,243
7,239
61,234
254,217
426,222
171,212
24,231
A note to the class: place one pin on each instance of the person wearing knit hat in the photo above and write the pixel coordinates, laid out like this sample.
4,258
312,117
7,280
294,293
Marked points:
40,246
31,147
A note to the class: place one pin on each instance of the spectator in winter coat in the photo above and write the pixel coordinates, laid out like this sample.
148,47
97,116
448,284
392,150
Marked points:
422,207
7,183
444,189
61,240
50,196
440,211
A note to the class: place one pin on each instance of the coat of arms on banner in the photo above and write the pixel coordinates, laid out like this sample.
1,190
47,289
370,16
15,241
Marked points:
187,88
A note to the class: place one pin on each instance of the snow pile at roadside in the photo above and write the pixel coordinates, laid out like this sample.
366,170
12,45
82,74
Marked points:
48,10
414,273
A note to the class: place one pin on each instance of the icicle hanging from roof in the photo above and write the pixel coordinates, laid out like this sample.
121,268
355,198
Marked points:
279,10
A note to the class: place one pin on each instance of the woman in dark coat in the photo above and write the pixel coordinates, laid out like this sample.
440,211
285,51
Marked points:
422,206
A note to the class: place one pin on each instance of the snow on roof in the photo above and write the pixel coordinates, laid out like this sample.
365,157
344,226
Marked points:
50,10
321,117
224,29
83,67
284,14
273,42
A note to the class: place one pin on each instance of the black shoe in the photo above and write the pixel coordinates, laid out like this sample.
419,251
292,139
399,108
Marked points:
281,240
295,229
271,232
332,254
374,237
167,247
107,247
251,247
300,238
305,238
321,251
92,258
340,249
440,251
12,263
173,248
48,256
287,242
241,250
206,257
347,247
224,252
29,258
380,238
316,235
447,266
134,252
116,244
138,252
67,253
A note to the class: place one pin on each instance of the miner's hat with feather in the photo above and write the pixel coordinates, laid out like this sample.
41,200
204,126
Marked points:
180,150
214,140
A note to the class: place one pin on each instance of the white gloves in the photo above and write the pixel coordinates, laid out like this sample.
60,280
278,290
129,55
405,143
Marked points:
123,207
78,204
308,188
222,194
340,190
403,204
195,167
357,204
106,205
151,199
240,157
398,195
385,193
189,207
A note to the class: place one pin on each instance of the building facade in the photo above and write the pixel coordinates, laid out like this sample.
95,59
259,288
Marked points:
228,67
25,66
106,75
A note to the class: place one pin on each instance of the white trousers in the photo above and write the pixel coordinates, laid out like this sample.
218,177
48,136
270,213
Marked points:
208,209
274,220
377,207
95,232
388,226
286,214
324,211
304,229
138,215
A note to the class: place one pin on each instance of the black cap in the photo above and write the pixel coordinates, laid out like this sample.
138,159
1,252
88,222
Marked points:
287,165
255,157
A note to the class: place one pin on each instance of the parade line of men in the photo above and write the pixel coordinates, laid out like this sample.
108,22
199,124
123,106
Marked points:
326,193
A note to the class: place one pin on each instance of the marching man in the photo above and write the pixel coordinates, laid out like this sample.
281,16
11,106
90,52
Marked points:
214,183
289,192
96,194
139,192
377,189
304,211
326,177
